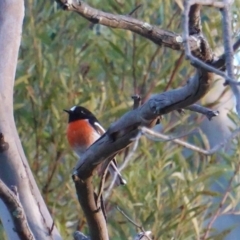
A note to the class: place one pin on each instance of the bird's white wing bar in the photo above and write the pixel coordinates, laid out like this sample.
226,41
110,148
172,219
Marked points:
100,129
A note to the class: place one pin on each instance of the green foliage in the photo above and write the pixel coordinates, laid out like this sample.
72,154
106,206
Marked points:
65,60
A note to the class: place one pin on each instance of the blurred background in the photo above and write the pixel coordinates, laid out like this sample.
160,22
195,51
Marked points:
64,60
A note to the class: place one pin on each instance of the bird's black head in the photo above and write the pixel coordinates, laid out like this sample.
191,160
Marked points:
78,113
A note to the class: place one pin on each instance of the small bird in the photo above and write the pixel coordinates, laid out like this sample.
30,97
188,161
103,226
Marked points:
82,131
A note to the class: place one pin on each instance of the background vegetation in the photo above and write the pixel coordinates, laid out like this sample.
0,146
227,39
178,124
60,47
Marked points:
64,61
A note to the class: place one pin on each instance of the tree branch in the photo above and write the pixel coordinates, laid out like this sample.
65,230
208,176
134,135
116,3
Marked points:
88,201
205,111
153,33
227,40
14,165
159,136
17,212
120,133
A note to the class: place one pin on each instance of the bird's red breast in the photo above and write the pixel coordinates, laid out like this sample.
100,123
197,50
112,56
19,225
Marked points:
81,135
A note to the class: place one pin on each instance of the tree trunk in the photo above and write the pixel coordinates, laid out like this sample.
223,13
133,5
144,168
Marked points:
14,170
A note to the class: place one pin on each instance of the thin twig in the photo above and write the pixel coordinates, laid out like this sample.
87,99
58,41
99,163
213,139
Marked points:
221,204
101,185
134,223
203,110
129,219
135,9
51,174
156,136
127,159
177,66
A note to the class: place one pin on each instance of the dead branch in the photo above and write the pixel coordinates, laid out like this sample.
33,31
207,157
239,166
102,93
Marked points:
205,111
120,133
140,235
153,33
227,31
16,211
159,136
88,201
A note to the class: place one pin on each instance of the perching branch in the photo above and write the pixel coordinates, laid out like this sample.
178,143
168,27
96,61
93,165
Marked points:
14,206
94,214
120,133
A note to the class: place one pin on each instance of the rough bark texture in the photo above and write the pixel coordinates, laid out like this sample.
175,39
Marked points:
14,170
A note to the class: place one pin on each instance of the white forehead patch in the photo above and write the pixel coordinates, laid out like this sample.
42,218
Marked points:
73,108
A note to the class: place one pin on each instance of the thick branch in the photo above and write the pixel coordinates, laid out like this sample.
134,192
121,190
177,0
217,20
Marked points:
121,133
153,33
14,168
16,211
88,200
195,19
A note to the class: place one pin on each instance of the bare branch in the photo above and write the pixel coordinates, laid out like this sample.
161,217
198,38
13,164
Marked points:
195,26
101,185
135,9
153,33
14,168
227,40
206,111
127,159
155,136
120,133
136,101
140,235
94,214
219,62
227,46
16,211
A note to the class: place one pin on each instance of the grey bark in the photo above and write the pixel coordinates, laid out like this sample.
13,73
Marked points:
14,166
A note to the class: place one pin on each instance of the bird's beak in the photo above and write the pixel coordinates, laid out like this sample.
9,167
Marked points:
67,111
